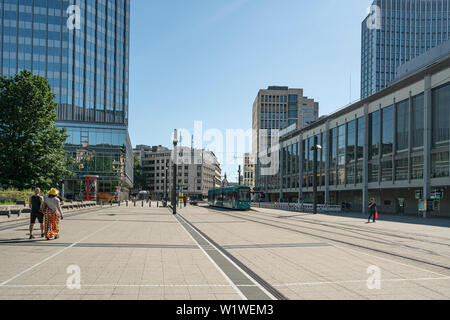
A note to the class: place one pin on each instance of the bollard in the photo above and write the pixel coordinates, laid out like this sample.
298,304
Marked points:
111,203
142,204
119,203
157,204
150,204
127,203
135,203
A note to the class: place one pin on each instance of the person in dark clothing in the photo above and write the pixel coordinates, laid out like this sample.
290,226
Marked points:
373,210
185,200
35,204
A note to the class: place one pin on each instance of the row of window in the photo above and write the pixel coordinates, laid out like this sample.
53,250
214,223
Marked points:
392,132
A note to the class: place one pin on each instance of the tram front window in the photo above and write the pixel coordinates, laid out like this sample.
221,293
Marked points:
244,195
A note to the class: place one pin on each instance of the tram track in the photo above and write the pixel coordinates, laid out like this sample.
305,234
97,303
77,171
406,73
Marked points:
330,235
344,226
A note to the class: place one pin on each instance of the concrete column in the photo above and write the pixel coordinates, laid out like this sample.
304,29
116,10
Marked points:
300,187
326,149
394,147
365,190
427,138
410,136
380,144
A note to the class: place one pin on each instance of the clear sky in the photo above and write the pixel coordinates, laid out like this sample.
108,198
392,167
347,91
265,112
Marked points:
205,60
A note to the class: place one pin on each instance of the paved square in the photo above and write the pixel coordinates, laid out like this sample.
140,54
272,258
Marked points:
213,254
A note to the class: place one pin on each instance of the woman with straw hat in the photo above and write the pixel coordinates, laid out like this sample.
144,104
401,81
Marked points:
52,213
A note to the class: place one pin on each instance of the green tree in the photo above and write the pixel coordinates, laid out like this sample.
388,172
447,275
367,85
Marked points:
139,177
31,146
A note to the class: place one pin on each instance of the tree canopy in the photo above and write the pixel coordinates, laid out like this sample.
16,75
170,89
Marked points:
31,146
139,178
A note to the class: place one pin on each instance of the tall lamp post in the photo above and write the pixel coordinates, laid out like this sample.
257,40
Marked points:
166,183
174,187
315,148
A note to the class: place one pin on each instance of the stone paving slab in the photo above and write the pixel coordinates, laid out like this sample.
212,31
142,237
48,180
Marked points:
111,272
143,253
328,272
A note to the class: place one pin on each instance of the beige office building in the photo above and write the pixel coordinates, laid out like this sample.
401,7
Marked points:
279,108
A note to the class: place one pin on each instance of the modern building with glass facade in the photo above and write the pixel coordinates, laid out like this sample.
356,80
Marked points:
392,146
82,48
396,33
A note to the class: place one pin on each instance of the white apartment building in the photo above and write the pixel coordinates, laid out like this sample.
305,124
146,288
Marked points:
198,171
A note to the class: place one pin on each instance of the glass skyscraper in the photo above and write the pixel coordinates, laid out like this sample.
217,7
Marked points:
82,48
397,31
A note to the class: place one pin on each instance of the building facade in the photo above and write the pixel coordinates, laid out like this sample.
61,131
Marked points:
249,171
397,32
392,146
198,170
82,48
276,109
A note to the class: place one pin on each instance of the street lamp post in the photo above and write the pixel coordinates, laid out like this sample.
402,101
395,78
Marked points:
315,148
174,188
166,183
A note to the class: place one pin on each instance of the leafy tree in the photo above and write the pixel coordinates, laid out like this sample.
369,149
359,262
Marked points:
31,146
139,177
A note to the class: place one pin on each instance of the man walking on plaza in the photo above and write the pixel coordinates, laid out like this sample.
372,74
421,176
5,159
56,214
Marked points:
35,205
373,210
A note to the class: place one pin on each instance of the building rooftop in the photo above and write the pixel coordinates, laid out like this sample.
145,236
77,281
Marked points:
411,77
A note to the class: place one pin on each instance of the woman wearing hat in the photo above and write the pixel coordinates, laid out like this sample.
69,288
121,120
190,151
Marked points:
52,213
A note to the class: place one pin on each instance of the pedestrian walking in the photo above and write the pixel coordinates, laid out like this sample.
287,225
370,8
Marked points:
35,204
185,201
52,213
373,210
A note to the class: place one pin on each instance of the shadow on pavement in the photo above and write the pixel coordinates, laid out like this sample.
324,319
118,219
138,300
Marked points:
430,221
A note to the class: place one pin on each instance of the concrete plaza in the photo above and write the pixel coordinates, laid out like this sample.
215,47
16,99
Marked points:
212,254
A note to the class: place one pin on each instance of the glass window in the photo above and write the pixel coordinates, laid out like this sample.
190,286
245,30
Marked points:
441,116
341,154
373,172
351,139
418,120
402,135
417,168
401,169
333,155
388,129
386,170
440,165
374,134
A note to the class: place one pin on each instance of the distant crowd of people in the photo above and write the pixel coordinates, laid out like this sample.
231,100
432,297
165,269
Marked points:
48,211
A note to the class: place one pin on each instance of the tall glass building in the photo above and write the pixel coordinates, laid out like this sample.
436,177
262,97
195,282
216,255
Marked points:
397,31
82,48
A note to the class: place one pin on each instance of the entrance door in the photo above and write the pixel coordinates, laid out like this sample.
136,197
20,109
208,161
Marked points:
401,206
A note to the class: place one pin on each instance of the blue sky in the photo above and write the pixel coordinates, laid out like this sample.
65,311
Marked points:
205,60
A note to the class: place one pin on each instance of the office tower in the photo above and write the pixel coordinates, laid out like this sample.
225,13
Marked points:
396,31
82,48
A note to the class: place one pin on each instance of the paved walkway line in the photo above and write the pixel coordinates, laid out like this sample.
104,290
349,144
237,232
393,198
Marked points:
239,292
55,254
241,279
